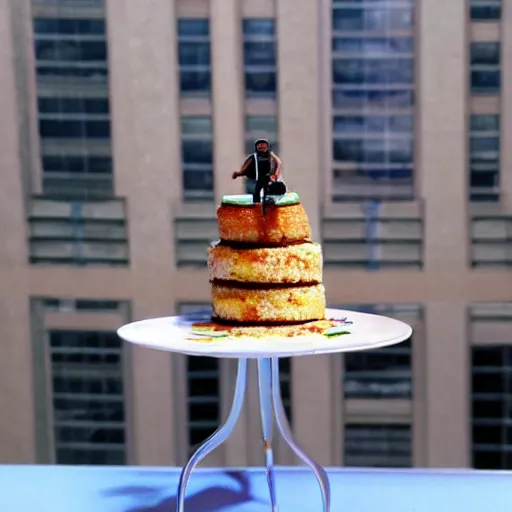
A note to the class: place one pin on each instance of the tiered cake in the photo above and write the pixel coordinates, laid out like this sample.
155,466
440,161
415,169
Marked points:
265,269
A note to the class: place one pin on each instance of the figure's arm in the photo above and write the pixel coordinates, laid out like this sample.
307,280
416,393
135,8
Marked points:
244,168
279,165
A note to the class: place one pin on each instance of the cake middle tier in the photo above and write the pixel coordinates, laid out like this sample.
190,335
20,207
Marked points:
275,305
301,263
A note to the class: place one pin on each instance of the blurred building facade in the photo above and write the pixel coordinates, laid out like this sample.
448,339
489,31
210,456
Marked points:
121,124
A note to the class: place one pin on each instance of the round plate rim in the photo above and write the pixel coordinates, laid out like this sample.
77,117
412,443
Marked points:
201,349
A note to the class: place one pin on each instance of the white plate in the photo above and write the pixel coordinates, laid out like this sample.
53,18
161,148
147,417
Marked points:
171,333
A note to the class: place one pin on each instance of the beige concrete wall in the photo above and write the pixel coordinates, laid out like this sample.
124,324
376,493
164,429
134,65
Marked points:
17,432
227,95
506,107
147,160
146,148
298,40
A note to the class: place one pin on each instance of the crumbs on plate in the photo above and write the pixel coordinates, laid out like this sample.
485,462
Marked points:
207,332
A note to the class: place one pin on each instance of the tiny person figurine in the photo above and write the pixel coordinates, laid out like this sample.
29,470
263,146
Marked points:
264,166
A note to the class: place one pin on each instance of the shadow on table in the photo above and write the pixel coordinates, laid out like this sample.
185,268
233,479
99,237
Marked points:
212,499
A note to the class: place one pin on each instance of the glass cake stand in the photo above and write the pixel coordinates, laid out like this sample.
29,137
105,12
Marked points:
174,334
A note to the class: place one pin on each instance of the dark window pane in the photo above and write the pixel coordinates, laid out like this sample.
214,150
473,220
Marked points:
261,124
373,71
97,129
372,18
194,54
488,356
350,98
378,445
485,53
486,434
485,81
485,12
69,51
484,144
481,123
258,27
61,129
203,398
260,82
72,456
487,459
96,106
484,179
488,383
74,129
94,73
380,373
351,124
100,165
198,179
259,54
197,151
69,26
373,151
195,81
193,125
377,45
193,27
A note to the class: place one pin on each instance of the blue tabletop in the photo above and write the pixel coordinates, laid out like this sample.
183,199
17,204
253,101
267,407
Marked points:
136,489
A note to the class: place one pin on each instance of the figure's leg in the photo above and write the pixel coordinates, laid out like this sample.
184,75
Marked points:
284,428
217,438
267,419
256,197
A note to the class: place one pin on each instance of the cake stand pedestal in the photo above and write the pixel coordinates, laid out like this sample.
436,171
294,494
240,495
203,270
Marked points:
174,334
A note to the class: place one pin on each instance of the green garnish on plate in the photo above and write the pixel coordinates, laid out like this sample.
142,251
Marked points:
337,330
209,333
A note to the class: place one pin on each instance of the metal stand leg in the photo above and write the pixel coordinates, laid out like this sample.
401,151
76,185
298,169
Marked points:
284,428
218,437
267,419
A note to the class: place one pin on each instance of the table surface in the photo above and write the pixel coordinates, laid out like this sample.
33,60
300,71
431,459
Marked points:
137,489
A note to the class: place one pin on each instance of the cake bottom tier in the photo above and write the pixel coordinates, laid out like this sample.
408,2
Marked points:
294,304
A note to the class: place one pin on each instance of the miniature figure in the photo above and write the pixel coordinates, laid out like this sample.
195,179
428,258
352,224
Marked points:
264,166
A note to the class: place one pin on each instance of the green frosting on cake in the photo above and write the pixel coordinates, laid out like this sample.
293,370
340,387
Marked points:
246,199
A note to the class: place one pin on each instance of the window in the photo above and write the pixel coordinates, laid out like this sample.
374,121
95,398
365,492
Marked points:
378,446
74,27
492,407
77,164
373,97
197,153
203,398
485,67
73,52
194,56
74,129
261,127
348,16
72,48
484,157
260,57
381,373
485,10
285,380
88,401
58,105
203,385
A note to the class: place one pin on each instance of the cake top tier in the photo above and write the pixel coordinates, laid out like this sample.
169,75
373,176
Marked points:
247,199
